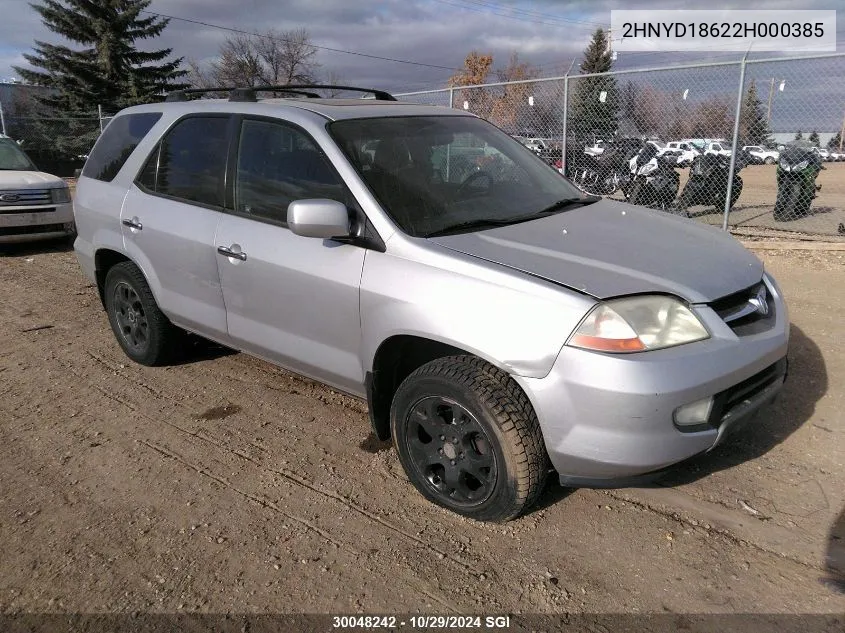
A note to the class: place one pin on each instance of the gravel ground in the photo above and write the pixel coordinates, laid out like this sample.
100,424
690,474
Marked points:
227,485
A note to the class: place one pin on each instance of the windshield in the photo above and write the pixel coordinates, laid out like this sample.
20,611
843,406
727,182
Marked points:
432,173
13,158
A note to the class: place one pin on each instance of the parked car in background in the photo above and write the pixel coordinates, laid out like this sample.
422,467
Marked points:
687,152
825,154
836,155
596,149
761,154
34,205
717,147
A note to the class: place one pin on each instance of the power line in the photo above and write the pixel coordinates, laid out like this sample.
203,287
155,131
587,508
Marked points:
324,48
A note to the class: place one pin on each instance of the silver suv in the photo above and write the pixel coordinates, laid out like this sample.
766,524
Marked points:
501,325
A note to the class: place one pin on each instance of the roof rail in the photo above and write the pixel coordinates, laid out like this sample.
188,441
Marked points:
247,94
235,94
297,88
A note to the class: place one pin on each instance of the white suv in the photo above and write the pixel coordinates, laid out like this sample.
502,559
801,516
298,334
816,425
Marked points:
33,205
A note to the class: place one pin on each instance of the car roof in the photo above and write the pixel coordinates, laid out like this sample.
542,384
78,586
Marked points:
333,109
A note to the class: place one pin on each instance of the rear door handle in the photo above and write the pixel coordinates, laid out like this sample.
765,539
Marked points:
228,252
134,223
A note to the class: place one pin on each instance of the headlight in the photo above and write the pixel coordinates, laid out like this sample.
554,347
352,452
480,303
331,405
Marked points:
784,165
60,195
638,324
802,165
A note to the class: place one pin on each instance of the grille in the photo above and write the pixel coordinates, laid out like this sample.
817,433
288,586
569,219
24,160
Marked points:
28,230
24,197
11,211
726,401
741,310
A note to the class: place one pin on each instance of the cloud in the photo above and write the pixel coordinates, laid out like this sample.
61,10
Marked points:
547,33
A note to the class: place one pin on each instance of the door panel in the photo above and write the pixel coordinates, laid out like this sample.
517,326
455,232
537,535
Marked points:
175,249
290,299
293,300
170,216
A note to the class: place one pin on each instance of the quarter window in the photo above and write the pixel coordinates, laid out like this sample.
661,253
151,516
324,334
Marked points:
116,144
278,164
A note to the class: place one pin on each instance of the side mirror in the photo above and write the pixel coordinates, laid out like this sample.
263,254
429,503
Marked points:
77,173
323,219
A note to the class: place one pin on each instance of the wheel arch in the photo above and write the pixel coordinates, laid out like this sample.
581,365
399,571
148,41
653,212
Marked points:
394,360
106,258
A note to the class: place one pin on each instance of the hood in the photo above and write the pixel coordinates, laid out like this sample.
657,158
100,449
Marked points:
608,249
28,180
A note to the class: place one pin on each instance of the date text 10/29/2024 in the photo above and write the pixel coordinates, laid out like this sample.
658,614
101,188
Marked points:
389,622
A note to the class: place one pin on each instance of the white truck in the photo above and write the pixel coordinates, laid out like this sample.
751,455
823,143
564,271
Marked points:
767,156
687,150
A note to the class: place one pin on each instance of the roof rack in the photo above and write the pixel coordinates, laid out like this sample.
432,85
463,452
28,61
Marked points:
247,94
294,88
235,94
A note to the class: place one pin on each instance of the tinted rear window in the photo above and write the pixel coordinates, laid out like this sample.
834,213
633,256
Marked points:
117,143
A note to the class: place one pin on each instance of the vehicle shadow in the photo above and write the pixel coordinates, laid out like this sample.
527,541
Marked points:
834,563
196,349
806,384
28,249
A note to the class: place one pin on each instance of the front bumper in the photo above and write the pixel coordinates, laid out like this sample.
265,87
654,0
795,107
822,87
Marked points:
31,224
607,419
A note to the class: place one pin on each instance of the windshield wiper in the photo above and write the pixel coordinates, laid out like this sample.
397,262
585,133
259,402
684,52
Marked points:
471,224
560,205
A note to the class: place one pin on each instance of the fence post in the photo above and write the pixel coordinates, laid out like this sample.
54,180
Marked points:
449,146
565,118
2,121
100,115
737,117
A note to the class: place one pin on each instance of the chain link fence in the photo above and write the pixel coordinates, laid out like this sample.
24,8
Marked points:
56,144
715,142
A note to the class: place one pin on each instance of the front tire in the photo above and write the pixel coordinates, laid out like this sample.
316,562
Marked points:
144,333
469,439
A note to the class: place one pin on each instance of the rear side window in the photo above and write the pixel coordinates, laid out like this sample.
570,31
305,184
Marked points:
116,144
190,162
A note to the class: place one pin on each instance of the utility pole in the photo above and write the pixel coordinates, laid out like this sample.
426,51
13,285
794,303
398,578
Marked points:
2,121
842,132
771,94
769,110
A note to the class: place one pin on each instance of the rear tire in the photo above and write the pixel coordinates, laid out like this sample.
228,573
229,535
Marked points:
469,439
769,160
142,330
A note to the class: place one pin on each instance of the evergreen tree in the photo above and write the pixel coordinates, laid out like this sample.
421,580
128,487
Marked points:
106,69
753,125
799,136
834,142
814,138
590,113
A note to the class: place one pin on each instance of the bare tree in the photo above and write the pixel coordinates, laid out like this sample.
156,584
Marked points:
239,63
270,58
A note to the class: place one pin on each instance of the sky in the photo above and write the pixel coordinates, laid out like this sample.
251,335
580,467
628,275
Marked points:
435,34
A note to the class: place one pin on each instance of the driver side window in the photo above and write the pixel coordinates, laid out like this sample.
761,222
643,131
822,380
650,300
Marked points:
278,164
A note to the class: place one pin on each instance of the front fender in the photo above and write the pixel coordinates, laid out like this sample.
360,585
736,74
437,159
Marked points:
512,322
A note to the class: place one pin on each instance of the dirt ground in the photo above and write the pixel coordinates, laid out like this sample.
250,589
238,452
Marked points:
755,204
225,484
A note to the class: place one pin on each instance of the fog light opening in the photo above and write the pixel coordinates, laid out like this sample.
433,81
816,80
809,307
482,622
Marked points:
694,414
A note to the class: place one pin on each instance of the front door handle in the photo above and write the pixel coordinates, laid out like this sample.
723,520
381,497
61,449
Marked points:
228,252
134,223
